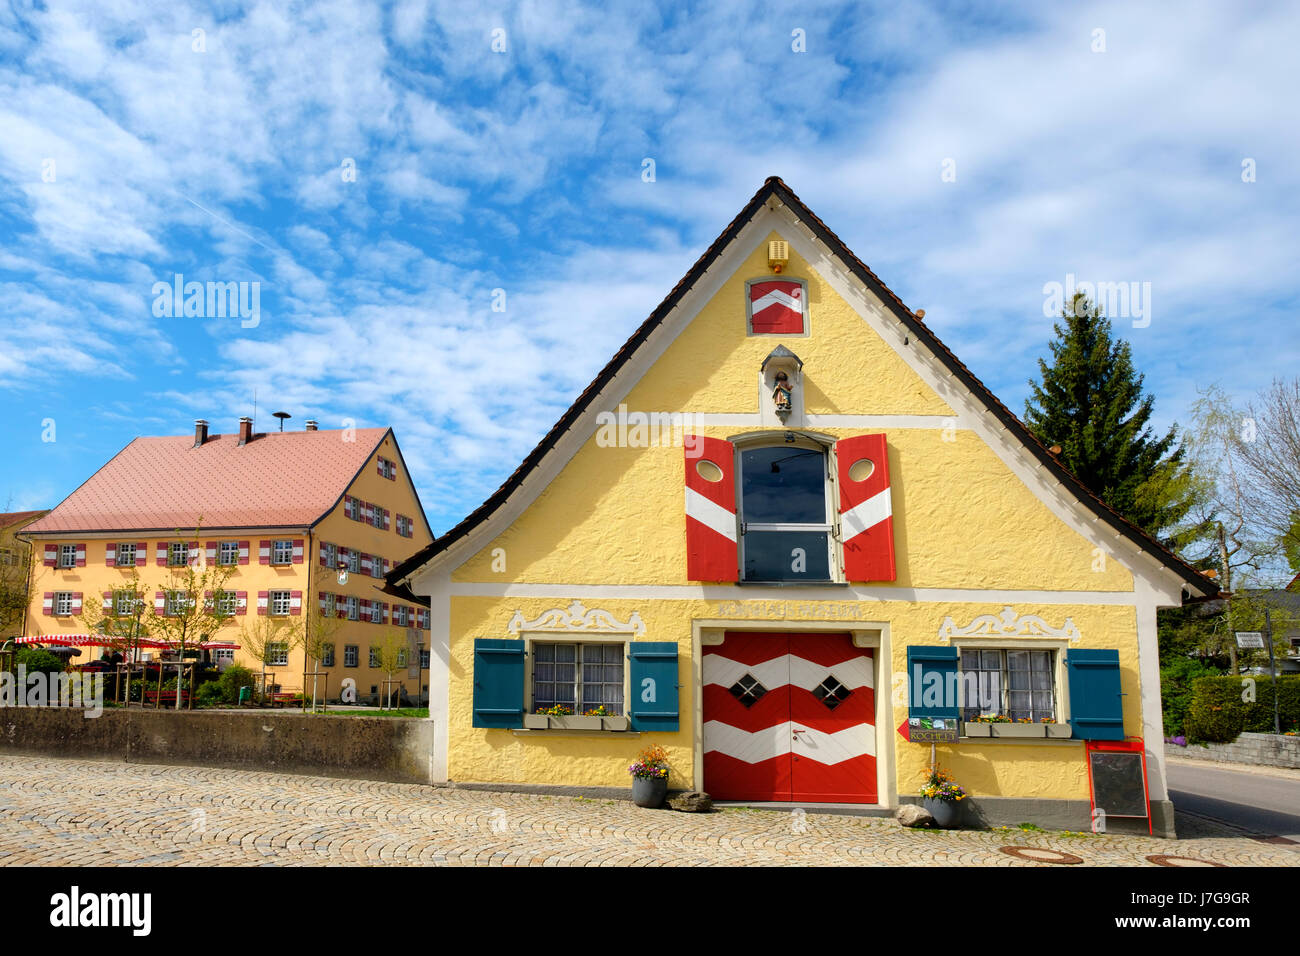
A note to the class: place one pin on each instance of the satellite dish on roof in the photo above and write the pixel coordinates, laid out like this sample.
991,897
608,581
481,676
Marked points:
282,416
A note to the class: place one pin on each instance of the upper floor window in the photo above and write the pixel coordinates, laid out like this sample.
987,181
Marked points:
62,603
282,552
279,602
67,555
124,555
124,602
227,602
387,468
178,554
277,654
785,512
228,553
176,603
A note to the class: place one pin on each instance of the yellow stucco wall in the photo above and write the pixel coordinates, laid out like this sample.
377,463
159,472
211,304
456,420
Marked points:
614,516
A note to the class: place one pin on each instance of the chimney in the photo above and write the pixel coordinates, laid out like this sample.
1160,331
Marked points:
311,424
245,430
200,432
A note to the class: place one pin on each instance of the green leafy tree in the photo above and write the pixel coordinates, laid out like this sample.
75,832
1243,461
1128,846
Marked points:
1090,403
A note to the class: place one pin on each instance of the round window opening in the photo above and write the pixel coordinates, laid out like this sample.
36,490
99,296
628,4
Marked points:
861,469
708,470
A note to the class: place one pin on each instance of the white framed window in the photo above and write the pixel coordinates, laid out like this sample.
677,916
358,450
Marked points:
354,561
786,511
424,660
282,552
1015,682
331,605
387,468
124,603
374,656
178,554
62,603
377,517
277,654
227,602
67,555
377,565
351,654
331,553
327,656
175,604
224,656
125,556
581,676
354,608
228,553
278,603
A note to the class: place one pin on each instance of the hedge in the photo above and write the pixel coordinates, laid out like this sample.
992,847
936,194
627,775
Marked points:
1218,714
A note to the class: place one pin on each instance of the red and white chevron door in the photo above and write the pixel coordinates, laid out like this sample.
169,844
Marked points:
789,717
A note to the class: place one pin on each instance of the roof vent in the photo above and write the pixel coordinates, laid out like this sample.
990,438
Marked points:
200,432
311,424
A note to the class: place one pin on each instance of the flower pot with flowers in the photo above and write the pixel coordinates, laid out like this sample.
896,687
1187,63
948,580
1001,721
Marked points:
1024,727
650,777
942,797
608,719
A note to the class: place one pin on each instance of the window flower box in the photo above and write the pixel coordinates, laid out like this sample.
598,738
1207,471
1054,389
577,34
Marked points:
574,722
974,728
1058,730
1018,730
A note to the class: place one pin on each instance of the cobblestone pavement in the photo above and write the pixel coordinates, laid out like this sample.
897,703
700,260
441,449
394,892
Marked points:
89,813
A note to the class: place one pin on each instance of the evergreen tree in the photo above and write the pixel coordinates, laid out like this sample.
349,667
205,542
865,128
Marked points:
1090,403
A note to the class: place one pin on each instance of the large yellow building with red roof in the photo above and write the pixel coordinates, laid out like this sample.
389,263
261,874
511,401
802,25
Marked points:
290,518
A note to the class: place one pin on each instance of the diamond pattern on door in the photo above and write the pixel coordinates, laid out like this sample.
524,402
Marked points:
789,717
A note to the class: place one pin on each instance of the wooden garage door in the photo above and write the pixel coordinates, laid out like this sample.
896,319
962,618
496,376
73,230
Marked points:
789,717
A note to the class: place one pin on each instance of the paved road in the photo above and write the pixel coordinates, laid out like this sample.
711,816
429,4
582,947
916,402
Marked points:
1256,802
90,813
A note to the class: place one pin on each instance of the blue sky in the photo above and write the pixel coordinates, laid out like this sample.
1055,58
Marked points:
133,147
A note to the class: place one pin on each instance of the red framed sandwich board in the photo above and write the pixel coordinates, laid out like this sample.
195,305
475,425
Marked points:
1117,778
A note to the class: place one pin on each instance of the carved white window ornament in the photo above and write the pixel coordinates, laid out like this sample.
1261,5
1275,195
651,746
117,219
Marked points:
577,619
1008,624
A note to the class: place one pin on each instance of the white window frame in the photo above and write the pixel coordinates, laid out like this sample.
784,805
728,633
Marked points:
175,603
67,556
224,654
327,655
377,517
831,527
282,551
351,655
123,602
180,548
530,693
62,604
120,550
278,603
354,607
228,553
1057,669
354,561
331,556
277,653
374,656
226,603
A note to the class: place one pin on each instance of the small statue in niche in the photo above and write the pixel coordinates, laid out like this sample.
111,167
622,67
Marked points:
781,395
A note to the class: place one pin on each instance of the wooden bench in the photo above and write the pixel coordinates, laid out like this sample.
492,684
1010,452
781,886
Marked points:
168,697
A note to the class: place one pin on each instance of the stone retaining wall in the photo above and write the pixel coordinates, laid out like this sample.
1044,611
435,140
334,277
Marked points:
369,748
1264,750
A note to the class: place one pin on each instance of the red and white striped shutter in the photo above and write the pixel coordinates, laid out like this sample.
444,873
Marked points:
241,602
297,550
320,596
345,557
710,510
324,562
379,466
193,552
866,509
108,601
347,505
207,601
264,552
110,555
295,602
367,563
141,554
51,555
243,551
81,555
341,606
47,603
159,601
263,597
161,554
211,549
387,521
76,602
385,611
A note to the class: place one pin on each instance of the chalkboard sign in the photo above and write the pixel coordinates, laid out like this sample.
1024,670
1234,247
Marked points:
1119,785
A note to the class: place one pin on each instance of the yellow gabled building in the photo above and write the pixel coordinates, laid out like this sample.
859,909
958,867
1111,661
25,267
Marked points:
787,535
282,514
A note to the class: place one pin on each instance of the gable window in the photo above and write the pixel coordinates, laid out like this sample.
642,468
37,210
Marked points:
581,677
228,553
282,552
387,468
67,555
1015,683
125,556
178,554
785,512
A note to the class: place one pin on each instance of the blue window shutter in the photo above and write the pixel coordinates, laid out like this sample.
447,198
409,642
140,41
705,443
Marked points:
922,663
1096,697
653,685
498,683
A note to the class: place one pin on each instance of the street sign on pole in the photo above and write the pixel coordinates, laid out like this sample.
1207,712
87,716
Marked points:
1250,640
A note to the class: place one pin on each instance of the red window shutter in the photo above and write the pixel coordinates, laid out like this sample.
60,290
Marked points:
159,601
51,555
81,555
162,555
365,610
264,552
110,555
710,510
367,563
320,596
108,600
297,550
142,554
263,598
76,602
295,602
211,549
241,602
323,562
243,551
866,509
386,519
47,604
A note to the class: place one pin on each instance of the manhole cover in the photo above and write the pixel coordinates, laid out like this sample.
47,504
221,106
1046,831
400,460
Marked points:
1040,855
1163,859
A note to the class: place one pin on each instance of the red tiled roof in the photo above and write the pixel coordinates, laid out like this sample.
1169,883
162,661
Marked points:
279,479
17,517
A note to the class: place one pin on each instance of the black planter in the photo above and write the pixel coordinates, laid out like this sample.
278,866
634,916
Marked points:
649,792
